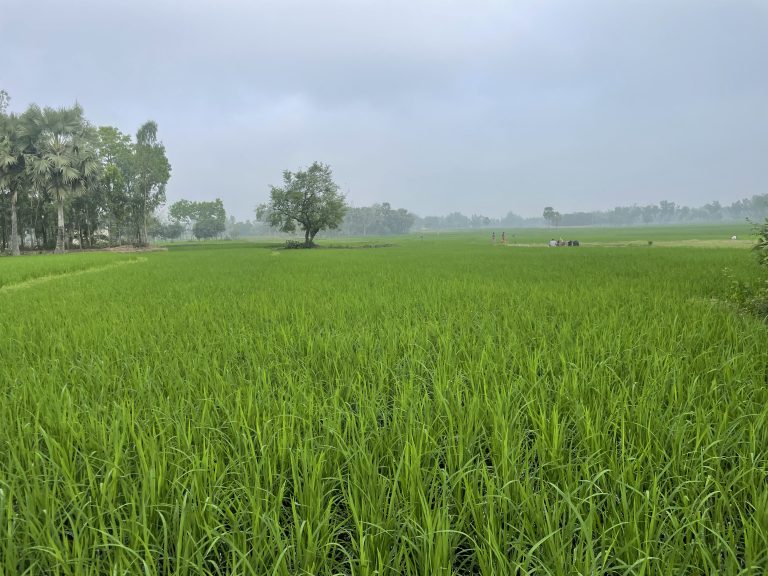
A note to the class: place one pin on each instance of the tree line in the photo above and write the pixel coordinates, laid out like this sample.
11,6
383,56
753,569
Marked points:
665,212
65,182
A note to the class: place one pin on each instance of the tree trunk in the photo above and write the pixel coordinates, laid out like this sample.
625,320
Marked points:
14,226
60,229
307,239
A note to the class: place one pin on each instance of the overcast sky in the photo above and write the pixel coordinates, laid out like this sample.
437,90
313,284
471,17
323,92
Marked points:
481,106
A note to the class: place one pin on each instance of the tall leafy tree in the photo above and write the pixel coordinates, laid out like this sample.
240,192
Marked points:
151,172
115,151
183,213
309,199
211,219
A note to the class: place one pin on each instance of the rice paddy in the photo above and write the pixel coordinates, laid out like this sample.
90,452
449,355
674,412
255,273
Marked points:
441,406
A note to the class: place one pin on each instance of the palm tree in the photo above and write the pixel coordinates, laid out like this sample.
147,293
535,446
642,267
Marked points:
11,169
64,159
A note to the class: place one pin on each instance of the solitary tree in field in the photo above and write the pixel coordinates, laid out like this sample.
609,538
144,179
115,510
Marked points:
309,199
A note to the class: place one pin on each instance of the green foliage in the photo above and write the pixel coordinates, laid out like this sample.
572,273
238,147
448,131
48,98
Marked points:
64,175
441,407
206,219
752,295
761,247
309,200
64,160
151,172
210,220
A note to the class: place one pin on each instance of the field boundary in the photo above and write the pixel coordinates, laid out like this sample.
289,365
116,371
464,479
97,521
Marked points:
48,277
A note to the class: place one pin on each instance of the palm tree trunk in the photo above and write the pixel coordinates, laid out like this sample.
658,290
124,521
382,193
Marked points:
60,229
14,226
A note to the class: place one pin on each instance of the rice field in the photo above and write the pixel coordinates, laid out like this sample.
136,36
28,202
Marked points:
441,406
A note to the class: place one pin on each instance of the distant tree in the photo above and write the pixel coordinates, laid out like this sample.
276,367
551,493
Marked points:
172,230
512,219
667,210
232,228
479,221
456,220
210,219
309,199
549,215
183,212
204,219
156,228
4,100
378,219
714,210
650,213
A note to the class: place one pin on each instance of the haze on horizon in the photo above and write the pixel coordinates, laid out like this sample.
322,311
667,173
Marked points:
435,106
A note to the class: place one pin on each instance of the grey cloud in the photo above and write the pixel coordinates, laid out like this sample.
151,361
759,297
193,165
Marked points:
485,106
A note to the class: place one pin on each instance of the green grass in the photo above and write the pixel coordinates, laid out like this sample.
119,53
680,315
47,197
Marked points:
16,271
443,406
611,236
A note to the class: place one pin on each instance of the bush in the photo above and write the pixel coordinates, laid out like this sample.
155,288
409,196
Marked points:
752,297
761,248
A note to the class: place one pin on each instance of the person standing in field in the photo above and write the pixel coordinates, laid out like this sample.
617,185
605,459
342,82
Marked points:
503,237
493,237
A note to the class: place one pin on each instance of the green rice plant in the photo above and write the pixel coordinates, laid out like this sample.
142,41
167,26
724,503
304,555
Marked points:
436,407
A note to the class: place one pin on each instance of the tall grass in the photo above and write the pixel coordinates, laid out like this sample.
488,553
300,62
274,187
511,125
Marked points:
440,407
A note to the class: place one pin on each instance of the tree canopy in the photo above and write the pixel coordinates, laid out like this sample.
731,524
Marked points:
203,219
309,199
64,181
